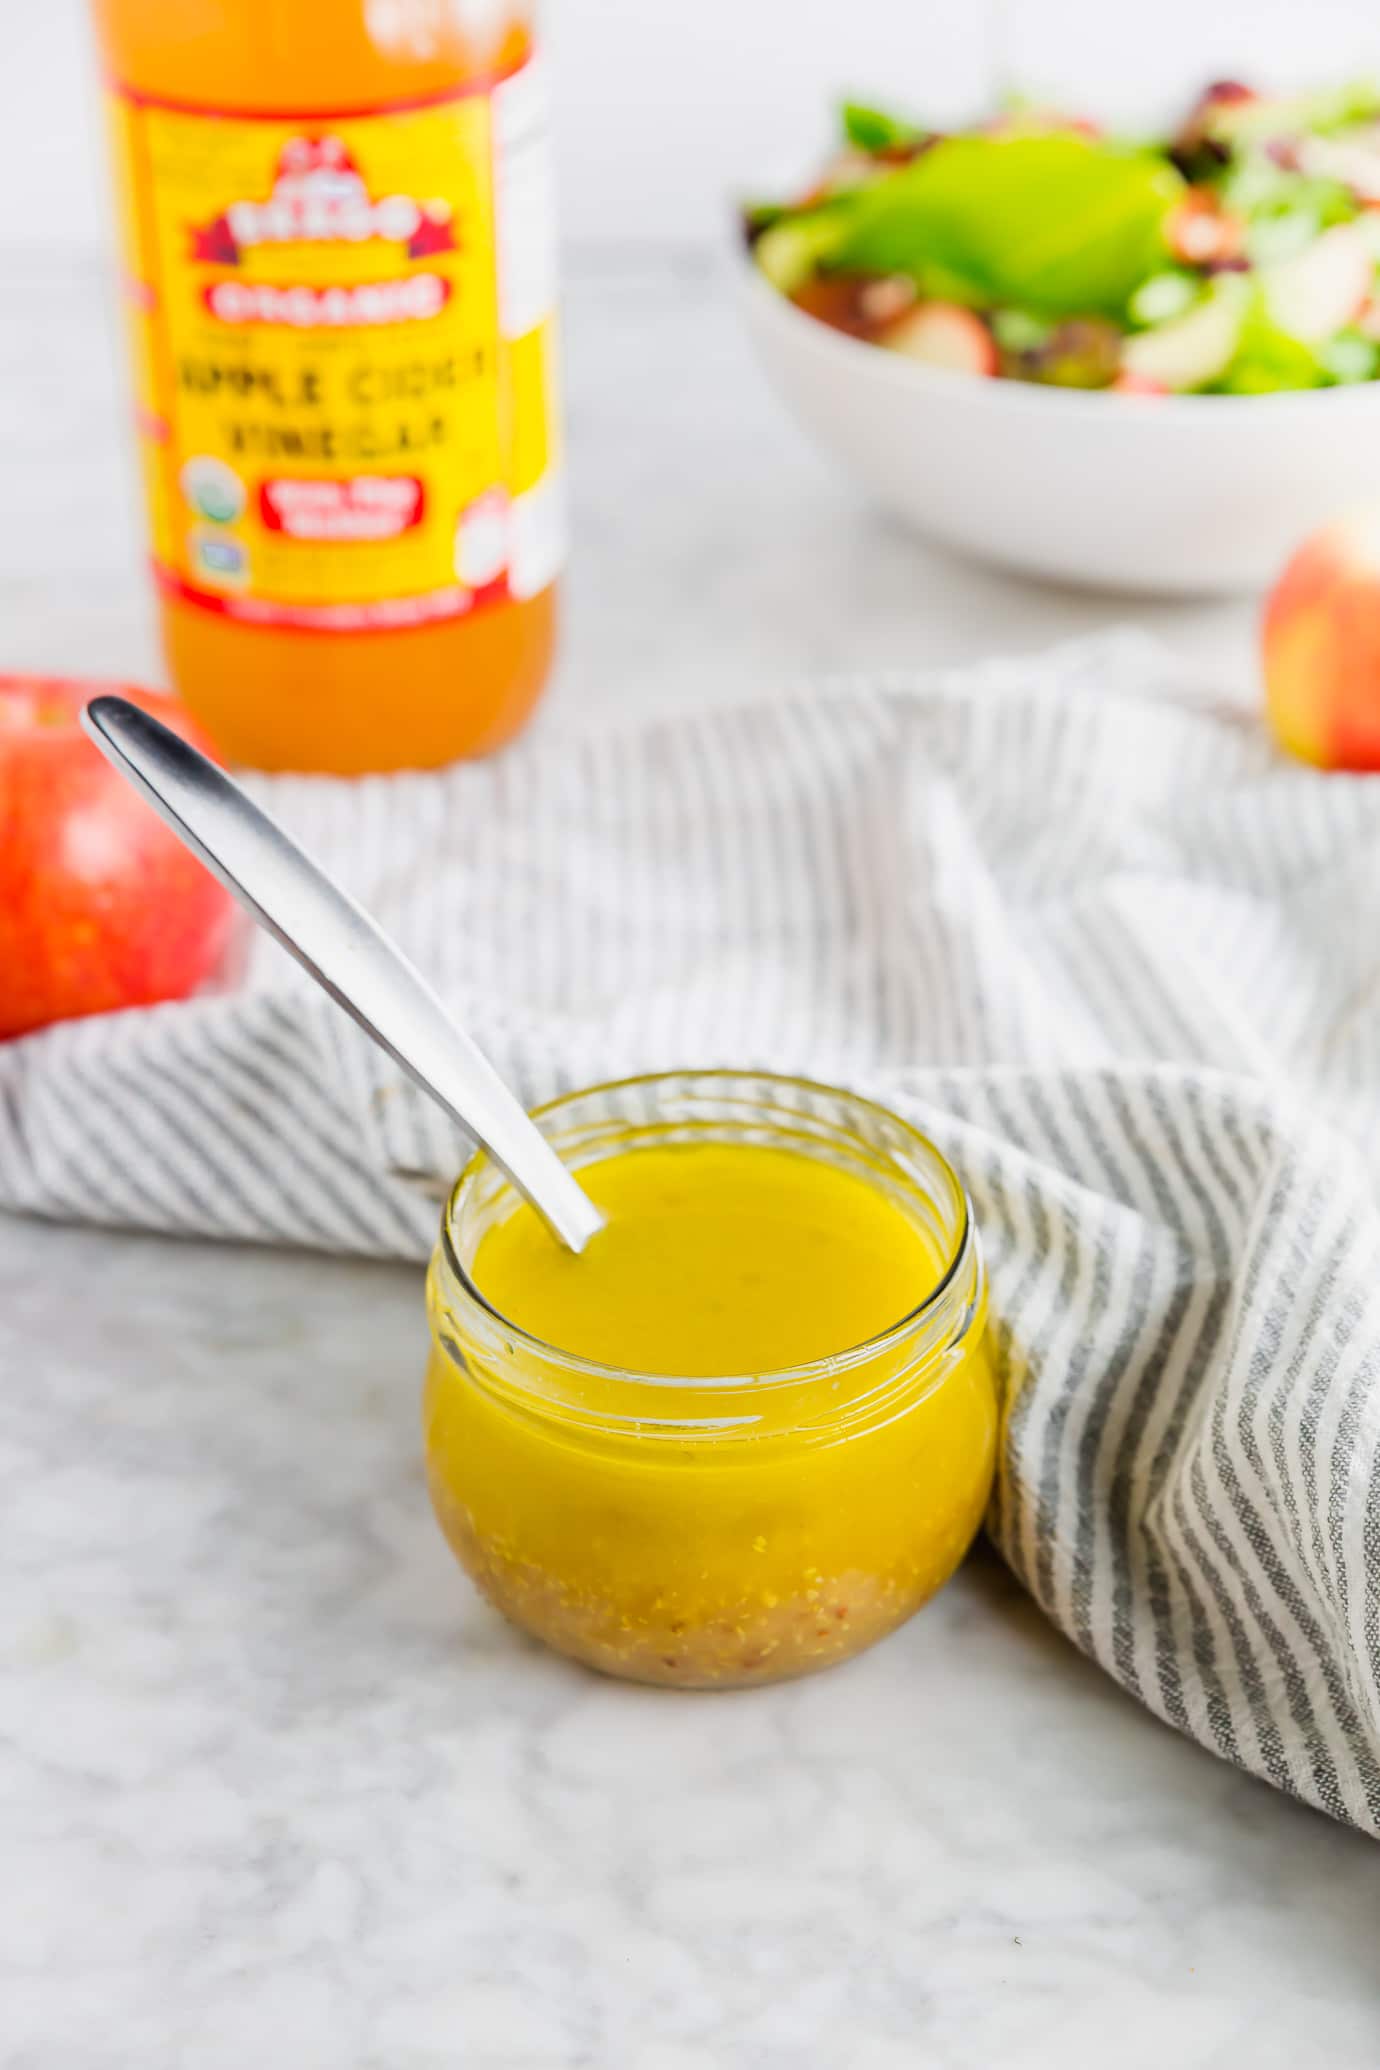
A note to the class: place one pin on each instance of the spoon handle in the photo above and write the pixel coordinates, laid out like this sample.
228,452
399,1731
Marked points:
342,948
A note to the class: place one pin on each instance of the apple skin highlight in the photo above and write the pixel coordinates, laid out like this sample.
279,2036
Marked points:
1320,644
101,906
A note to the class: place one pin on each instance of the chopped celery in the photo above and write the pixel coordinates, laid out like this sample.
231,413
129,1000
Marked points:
1016,330
1164,295
1349,357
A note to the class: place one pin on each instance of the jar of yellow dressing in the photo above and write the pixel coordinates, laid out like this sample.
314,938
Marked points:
753,1428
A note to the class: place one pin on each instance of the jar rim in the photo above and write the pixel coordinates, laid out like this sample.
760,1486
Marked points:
960,1251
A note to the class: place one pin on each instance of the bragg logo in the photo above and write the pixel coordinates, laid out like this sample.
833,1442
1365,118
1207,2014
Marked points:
319,197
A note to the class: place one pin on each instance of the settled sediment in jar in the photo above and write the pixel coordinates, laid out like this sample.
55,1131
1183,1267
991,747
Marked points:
697,1626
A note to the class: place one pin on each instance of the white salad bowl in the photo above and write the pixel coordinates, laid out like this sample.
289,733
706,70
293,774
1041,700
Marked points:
1187,494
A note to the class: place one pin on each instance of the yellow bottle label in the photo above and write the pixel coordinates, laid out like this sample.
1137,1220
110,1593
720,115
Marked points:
345,355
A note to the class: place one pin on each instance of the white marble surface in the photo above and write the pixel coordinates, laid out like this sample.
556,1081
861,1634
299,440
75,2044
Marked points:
715,555
276,1789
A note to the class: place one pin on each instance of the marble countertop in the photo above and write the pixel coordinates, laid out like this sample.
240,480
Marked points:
275,1787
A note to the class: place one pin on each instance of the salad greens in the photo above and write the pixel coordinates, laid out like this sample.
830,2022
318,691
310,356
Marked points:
868,129
1055,224
1237,257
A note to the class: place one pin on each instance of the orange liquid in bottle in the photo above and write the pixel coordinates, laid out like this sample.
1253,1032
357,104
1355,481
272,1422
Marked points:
294,679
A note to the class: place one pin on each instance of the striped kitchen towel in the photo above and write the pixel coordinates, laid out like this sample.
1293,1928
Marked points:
1081,924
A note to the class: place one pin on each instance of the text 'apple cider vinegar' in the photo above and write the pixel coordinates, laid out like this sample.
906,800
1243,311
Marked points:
340,262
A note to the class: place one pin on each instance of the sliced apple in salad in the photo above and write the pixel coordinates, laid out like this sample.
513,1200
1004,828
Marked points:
1322,289
941,334
1194,349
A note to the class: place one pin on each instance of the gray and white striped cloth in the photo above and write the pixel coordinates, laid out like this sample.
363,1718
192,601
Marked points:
1085,927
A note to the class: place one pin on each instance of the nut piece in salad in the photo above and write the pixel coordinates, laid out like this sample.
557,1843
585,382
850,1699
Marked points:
1237,257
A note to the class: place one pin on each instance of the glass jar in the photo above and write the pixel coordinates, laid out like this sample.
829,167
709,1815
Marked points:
712,1533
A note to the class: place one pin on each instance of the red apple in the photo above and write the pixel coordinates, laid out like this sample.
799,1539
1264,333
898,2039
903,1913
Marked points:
100,905
1321,648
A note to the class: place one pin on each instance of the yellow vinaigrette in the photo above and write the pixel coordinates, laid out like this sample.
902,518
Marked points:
724,1259
747,1433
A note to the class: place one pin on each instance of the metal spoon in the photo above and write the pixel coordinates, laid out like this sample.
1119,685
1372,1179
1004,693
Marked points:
337,942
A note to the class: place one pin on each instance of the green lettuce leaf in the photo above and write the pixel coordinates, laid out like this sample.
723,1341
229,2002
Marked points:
873,130
1056,223
1267,360
792,249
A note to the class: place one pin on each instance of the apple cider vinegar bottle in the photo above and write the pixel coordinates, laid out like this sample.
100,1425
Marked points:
339,261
